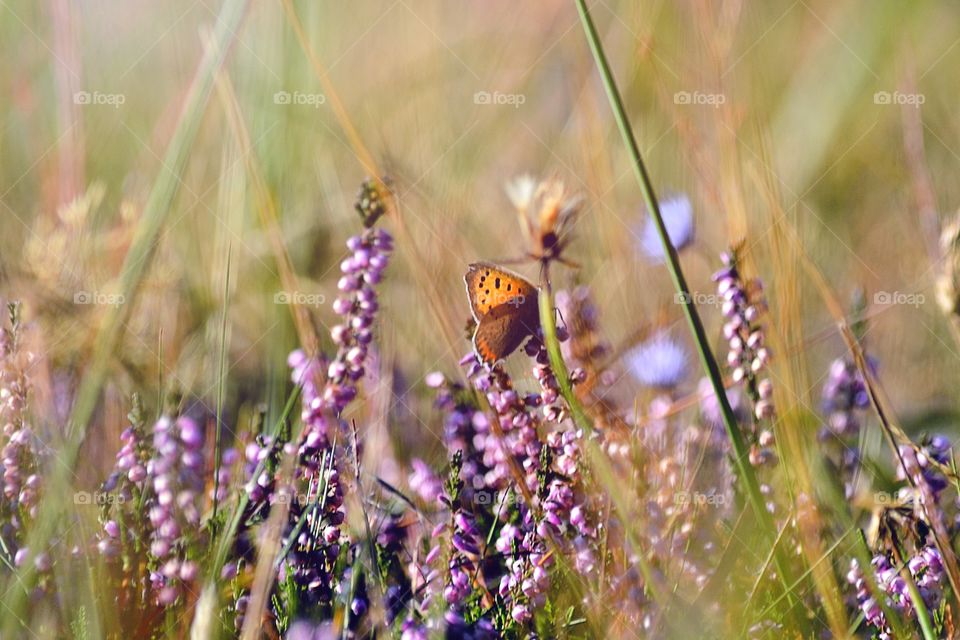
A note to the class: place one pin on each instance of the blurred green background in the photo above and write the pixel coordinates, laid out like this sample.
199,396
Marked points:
837,118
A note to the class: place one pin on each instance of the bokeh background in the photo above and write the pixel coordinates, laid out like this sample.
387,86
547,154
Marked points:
833,123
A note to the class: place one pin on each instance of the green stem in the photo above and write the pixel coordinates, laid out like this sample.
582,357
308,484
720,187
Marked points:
599,465
745,472
226,540
923,616
549,325
221,383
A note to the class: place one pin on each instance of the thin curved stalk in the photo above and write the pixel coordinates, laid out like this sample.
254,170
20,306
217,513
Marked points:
923,616
599,465
745,472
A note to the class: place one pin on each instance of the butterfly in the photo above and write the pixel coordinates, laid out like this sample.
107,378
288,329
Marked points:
505,308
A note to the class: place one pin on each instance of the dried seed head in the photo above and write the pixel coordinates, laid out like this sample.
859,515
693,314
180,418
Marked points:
948,281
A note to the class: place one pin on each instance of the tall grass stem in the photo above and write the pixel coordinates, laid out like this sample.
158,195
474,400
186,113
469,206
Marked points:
745,472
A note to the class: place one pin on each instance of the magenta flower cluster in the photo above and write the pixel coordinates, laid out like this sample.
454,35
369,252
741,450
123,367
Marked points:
925,569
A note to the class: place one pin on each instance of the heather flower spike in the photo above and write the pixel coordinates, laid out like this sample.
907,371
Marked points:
845,403
20,454
926,570
748,356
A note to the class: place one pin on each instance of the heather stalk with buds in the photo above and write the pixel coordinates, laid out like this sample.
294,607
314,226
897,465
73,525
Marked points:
845,401
20,454
748,355
315,540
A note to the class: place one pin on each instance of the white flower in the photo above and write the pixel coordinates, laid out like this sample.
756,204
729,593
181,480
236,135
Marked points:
521,191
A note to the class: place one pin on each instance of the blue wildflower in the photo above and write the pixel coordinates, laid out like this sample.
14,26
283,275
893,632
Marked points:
659,362
677,215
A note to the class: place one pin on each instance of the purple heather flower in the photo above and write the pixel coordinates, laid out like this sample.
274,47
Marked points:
659,362
411,630
926,569
748,355
457,627
845,397
305,630
424,482
467,544
742,306
929,481
518,424
18,446
845,401
465,429
177,482
328,385
678,510
549,401
677,213
557,514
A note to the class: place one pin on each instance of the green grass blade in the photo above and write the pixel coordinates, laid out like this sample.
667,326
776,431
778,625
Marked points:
745,472
158,207
221,382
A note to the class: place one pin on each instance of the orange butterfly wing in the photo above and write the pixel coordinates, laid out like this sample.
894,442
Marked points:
505,307
500,333
489,286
